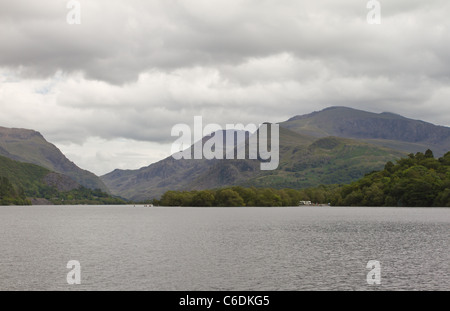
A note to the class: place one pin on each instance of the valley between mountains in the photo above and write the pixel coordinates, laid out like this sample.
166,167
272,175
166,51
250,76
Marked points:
337,145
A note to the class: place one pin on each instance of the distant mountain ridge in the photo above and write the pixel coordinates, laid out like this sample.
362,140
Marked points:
337,145
30,146
305,161
385,129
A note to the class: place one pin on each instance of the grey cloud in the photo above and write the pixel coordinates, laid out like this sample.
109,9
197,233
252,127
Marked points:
119,40
133,69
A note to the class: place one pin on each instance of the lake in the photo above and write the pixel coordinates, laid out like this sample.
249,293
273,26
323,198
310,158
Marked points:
170,248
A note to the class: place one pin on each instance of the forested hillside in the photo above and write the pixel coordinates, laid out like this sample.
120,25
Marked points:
21,182
419,180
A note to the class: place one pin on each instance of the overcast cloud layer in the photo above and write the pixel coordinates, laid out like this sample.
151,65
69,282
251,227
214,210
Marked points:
107,92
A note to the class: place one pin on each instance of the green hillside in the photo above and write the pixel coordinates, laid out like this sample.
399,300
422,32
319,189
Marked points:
31,147
329,160
418,180
20,182
25,178
10,194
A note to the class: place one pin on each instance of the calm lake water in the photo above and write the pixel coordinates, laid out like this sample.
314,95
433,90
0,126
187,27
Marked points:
299,248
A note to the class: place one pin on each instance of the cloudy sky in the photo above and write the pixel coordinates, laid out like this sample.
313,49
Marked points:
108,91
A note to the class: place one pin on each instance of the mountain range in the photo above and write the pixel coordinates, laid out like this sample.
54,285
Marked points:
336,145
384,129
304,162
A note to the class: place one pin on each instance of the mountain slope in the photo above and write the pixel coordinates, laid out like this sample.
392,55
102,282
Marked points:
34,180
304,161
384,129
22,182
329,160
31,147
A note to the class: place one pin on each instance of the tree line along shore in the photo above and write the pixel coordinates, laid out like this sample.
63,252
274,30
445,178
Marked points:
418,180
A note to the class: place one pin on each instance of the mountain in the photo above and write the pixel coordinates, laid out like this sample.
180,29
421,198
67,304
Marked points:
154,180
335,145
27,176
383,129
31,147
21,182
304,161
419,180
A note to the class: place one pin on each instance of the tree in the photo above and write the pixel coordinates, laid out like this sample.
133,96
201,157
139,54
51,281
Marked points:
171,198
374,196
389,167
247,194
267,197
418,180
443,199
228,198
203,198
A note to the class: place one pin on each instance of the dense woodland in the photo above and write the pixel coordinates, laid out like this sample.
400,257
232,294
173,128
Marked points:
15,195
417,180
83,195
9,195
21,182
240,196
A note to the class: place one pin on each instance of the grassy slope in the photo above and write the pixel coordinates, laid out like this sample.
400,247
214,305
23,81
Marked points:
29,146
328,160
39,182
22,175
